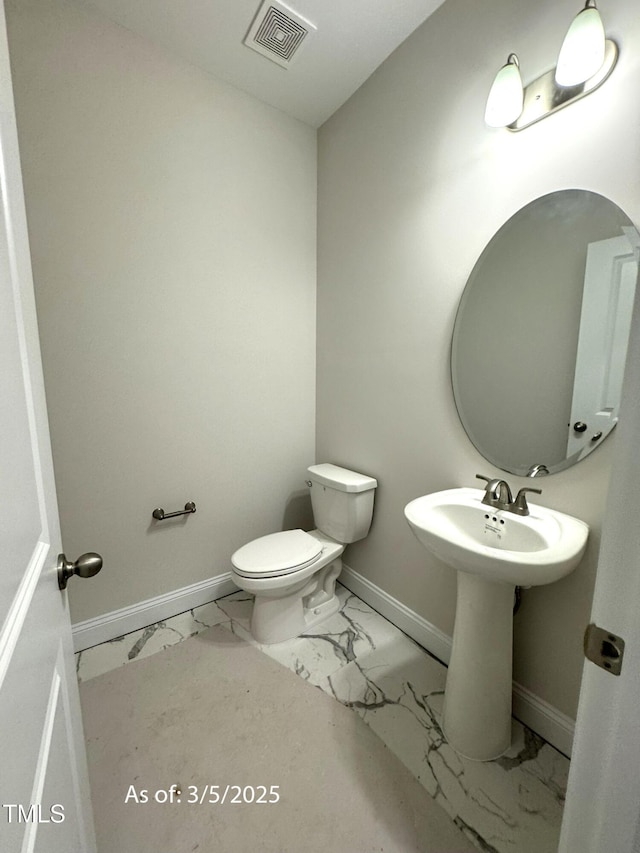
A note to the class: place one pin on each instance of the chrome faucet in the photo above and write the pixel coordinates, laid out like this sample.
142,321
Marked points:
497,494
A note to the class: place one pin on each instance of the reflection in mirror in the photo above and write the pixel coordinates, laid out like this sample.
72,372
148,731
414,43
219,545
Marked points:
540,337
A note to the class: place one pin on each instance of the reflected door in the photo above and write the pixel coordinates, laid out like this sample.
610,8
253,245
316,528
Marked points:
609,289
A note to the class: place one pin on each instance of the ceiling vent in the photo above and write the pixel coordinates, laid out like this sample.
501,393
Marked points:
278,33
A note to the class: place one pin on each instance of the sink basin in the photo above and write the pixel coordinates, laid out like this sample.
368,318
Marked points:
530,550
493,551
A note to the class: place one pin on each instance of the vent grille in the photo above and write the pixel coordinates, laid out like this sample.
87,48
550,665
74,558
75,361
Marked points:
278,32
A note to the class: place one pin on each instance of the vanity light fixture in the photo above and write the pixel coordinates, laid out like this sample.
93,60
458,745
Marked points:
585,61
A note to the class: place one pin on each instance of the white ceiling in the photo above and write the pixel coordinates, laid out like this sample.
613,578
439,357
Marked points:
353,38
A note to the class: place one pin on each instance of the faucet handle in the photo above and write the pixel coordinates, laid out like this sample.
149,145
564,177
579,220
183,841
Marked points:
490,490
520,506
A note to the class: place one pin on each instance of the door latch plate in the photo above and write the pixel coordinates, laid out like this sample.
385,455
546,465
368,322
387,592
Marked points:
604,648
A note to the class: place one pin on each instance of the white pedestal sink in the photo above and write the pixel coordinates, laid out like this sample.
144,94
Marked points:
494,551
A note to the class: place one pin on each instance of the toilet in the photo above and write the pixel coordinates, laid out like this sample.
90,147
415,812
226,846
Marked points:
293,573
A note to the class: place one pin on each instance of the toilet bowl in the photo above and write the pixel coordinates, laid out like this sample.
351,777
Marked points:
293,573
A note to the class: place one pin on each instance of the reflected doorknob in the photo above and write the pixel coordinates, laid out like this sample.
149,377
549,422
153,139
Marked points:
85,566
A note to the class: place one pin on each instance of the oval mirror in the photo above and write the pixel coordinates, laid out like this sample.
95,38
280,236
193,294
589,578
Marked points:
541,333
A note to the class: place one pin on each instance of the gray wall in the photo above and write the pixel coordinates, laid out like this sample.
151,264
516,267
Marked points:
412,185
172,223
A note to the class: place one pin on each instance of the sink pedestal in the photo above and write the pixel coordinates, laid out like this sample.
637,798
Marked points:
477,705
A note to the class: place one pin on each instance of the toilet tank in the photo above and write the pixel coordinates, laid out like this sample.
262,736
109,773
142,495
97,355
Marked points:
342,502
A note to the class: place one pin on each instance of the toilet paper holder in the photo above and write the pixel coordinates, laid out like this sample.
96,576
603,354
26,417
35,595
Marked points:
161,515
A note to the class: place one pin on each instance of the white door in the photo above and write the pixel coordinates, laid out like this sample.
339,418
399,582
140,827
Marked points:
607,304
44,795
602,810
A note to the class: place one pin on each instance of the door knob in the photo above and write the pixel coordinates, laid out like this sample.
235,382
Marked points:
85,566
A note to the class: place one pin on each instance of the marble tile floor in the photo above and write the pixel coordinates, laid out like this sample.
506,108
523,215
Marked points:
510,805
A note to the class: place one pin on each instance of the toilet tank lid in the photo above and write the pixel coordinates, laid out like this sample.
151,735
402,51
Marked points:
341,478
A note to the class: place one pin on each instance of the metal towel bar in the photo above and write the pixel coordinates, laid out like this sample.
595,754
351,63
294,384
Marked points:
160,514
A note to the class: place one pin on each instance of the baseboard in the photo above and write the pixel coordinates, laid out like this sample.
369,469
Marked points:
554,726
111,625
538,715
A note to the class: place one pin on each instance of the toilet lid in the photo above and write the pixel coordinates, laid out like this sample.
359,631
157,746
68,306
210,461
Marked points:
277,554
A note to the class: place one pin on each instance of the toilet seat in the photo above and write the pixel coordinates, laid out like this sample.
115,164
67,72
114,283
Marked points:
277,554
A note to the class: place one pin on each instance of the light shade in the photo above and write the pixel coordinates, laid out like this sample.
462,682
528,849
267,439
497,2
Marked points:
506,96
583,48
